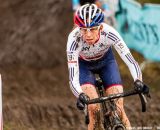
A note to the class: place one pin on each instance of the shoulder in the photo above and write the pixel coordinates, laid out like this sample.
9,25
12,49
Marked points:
73,38
111,31
107,28
74,33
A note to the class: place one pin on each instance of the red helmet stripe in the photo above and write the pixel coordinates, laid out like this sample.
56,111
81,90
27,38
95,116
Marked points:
82,22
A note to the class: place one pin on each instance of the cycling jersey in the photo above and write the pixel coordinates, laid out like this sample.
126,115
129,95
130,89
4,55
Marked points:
78,48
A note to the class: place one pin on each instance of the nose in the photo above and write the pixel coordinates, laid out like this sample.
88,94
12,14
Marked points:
88,33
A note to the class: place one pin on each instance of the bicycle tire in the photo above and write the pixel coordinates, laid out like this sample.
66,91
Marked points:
119,127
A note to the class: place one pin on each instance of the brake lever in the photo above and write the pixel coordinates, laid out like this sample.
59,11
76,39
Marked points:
146,91
143,101
143,95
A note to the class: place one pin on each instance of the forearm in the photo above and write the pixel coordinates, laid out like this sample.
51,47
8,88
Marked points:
74,73
133,66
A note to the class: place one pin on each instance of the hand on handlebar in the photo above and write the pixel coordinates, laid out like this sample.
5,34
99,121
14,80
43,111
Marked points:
139,86
82,101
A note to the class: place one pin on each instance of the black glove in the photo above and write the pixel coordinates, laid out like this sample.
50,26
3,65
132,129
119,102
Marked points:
138,85
141,87
81,101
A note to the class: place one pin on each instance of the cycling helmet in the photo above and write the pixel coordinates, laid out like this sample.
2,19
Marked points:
88,15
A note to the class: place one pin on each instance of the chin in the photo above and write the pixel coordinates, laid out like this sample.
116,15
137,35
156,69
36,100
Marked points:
90,42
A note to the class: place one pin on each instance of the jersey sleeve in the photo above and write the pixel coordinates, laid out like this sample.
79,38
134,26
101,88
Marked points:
73,65
126,55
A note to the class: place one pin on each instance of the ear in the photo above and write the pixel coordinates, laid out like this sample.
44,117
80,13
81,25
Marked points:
101,27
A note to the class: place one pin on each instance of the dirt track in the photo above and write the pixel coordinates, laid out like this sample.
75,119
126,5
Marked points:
36,95
35,98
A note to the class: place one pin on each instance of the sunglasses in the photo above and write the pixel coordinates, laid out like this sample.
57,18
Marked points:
84,30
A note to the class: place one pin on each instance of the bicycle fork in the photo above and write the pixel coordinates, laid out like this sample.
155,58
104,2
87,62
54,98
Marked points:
114,115
111,118
106,120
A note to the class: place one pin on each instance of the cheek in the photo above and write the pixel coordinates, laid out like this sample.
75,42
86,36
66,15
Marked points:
84,37
96,35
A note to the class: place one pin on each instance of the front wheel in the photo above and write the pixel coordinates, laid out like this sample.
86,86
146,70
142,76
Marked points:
119,127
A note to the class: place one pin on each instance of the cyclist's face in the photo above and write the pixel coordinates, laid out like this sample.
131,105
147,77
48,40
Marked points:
90,35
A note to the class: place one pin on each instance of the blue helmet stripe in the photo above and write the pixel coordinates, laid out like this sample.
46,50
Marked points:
101,19
93,22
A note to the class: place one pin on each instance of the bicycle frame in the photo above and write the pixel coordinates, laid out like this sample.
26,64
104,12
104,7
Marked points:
102,99
109,110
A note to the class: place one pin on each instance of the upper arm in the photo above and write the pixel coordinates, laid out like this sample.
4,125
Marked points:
72,50
118,42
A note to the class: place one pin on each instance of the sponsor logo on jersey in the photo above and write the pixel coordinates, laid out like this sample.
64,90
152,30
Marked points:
104,33
86,48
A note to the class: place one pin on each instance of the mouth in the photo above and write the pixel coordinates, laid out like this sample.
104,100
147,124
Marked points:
89,39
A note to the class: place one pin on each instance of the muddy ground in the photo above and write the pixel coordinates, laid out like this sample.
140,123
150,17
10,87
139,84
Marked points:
36,94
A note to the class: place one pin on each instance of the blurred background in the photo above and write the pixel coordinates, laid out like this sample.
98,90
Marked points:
36,93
